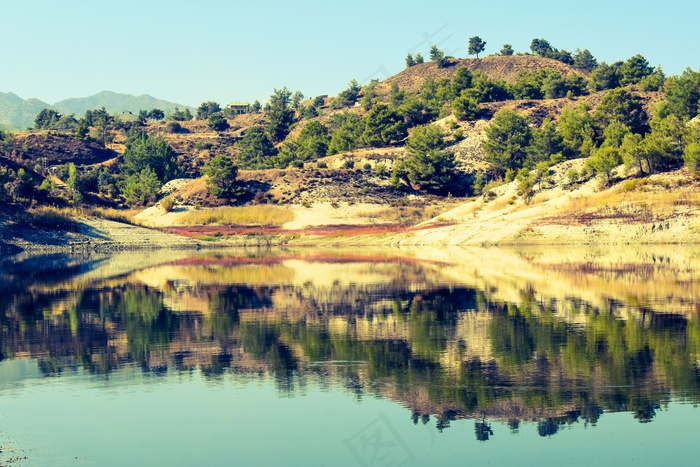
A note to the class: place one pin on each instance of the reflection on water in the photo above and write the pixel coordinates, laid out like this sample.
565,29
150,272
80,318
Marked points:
546,338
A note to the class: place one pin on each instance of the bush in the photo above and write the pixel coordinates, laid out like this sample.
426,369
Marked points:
349,164
167,203
217,122
173,127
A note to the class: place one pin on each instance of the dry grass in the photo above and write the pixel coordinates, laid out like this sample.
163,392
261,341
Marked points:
117,215
404,215
64,218
51,218
632,201
263,214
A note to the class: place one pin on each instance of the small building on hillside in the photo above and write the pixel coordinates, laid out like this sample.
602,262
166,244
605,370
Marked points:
237,108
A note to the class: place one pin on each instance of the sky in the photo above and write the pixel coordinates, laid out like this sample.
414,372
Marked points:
193,51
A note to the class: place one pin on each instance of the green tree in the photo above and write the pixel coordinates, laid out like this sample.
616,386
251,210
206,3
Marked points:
418,58
218,122
585,60
347,136
222,173
348,97
438,56
383,126
431,171
153,153
279,116
414,111
156,114
255,107
409,60
426,138
541,47
614,134
141,188
604,160
576,85
461,80
665,142
46,119
546,142
476,46
102,121
683,94
554,86
485,90
605,76
506,50
297,97
180,115
528,85
634,153
81,130
206,109
428,167
507,138
313,141
577,129
73,185
465,108
369,94
634,70
620,105
255,150
654,81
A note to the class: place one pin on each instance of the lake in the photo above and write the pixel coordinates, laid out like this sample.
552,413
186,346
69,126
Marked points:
365,357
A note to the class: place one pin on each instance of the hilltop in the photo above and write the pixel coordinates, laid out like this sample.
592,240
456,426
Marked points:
495,67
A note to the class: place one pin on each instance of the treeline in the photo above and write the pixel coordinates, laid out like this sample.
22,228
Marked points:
617,131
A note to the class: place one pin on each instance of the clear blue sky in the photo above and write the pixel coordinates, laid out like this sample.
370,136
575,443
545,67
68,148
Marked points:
197,50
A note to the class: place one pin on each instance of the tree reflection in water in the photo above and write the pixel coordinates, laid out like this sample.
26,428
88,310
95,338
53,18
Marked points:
447,352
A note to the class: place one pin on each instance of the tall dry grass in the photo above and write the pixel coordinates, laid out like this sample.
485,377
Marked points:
405,215
50,218
263,214
64,218
631,201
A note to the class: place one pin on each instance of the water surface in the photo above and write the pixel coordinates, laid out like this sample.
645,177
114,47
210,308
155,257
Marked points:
534,356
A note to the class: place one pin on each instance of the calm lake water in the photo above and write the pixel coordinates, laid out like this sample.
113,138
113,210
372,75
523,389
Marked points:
363,357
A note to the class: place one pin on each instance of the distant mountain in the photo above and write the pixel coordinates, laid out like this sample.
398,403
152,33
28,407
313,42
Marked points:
115,102
18,113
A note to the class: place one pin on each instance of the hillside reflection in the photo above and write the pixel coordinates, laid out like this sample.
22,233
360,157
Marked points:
488,335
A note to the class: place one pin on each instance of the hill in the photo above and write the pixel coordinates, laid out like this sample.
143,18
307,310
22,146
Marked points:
19,113
496,67
16,112
114,103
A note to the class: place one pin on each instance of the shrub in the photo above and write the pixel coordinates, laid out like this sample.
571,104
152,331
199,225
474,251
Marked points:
349,164
173,127
167,203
